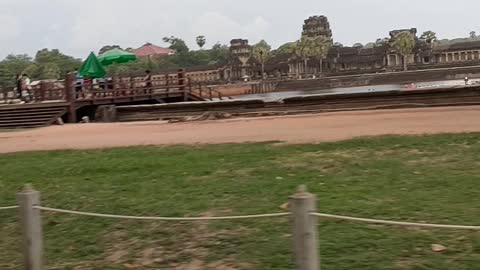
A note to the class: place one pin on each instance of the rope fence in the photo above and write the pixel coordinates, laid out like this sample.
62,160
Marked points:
302,211
159,218
8,207
397,223
321,215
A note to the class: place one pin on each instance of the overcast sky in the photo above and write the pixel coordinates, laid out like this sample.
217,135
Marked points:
77,27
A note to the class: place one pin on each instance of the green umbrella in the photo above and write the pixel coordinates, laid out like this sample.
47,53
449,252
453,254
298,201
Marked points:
92,68
116,56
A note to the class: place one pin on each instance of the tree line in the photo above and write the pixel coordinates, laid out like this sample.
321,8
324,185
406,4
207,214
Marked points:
53,64
47,64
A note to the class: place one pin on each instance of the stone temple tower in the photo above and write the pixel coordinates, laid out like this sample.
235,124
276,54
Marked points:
317,26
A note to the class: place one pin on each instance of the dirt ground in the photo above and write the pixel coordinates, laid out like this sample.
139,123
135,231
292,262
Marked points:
291,129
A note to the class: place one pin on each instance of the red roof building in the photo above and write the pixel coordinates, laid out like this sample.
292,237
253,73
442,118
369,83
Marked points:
148,49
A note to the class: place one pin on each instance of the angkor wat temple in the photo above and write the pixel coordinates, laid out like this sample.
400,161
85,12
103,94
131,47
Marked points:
379,57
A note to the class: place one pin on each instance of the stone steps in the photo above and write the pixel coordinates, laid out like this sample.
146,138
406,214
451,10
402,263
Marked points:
30,115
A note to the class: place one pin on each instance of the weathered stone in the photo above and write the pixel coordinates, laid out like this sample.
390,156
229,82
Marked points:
106,114
59,121
438,248
85,119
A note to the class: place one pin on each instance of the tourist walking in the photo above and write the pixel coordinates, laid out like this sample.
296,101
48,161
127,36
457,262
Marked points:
25,88
18,89
148,82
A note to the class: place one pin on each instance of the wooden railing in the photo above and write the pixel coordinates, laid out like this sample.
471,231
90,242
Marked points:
6,95
45,91
118,90
263,87
205,90
134,87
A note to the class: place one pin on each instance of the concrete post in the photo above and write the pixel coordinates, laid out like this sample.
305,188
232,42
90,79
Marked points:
31,225
305,237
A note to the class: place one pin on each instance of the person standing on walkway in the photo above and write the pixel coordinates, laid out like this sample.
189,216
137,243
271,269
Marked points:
26,87
148,82
18,84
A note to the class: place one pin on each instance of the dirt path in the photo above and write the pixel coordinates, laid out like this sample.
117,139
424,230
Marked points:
293,129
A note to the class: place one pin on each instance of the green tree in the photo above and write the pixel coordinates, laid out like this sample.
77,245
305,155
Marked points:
219,54
337,45
34,71
201,41
284,49
473,34
320,47
262,52
50,71
404,43
176,44
381,42
107,48
64,62
11,66
429,37
357,45
303,50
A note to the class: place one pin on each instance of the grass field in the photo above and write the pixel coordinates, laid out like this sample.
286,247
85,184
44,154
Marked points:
423,179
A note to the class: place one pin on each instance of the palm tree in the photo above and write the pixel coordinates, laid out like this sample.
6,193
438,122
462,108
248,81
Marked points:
320,48
262,52
337,45
429,37
381,42
303,49
404,43
201,41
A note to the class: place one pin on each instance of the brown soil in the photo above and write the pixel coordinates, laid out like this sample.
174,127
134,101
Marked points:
291,129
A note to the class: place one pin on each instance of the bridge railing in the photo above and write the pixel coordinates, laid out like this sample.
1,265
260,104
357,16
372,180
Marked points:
147,92
43,91
48,91
70,90
206,90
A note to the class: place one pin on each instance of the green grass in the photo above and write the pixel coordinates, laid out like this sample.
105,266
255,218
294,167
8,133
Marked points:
426,178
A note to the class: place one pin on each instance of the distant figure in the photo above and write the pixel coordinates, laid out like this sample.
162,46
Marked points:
466,80
148,81
78,84
18,83
26,87
87,83
411,87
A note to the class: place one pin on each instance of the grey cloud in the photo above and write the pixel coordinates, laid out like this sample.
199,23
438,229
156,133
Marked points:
77,27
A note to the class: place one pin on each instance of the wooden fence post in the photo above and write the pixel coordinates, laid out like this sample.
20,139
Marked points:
167,82
189,85
71,97
181,83
31,225
43,91
305,236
